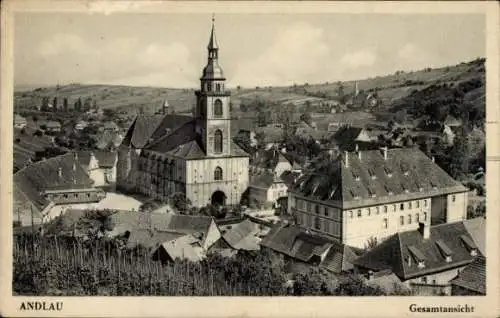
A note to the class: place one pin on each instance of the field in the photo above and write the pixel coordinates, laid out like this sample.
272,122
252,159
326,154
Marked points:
130,99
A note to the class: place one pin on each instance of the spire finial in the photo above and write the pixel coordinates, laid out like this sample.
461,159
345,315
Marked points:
213,18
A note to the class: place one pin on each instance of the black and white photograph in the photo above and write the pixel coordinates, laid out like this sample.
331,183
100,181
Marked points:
220,153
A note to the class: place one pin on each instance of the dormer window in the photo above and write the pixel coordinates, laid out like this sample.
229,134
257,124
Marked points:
372,174
388,172
469,244
445,250
387,190
404,188
433,184
371,192
417,256
356,176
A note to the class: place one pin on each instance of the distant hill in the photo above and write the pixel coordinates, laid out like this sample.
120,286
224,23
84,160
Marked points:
391,91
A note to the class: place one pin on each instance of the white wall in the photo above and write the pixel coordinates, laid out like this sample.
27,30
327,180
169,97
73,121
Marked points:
456,209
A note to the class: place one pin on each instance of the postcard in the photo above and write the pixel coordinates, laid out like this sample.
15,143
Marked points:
249,159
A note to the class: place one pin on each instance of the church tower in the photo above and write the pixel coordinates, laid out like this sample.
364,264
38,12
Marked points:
212,104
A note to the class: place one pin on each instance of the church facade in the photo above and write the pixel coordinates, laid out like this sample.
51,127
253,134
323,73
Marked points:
166,154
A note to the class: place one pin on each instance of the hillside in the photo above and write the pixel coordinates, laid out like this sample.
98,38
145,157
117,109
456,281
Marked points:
390,89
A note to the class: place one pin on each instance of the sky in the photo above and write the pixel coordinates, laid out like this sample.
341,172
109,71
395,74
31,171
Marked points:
170,50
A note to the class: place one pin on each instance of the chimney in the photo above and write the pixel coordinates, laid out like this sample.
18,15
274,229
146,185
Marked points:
370,274
384,151
346,158
59,172
432,158
424,230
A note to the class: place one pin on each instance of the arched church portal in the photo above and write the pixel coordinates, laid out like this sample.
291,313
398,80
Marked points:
218,198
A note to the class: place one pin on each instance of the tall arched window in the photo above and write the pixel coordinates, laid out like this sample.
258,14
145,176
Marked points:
218,174
217,108
218,141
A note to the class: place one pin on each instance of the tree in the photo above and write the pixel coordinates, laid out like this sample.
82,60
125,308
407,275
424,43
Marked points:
357,287
314,282
180,202
65,104
306,117
54,104
95,223
260,137
459,155
262,119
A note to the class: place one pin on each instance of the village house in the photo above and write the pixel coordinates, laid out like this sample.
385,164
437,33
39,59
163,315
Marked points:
99,165
425,259
471,281
19,121
196,156
55,181
82,124
303,249
167,236
352,138
371,195
51,126
240,236
110,126
267,185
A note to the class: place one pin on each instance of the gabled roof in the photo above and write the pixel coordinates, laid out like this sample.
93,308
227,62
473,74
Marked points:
243,236
477,229
19,119
407,173
150,239
184,247
160,222
402,252
59,172
150,127
339,258
295,242
186,142
473,276
53,124
105,158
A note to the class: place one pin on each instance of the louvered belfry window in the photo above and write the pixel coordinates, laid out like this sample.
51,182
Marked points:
218,141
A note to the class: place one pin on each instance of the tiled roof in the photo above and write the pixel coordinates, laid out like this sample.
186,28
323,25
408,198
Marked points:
19,119
293,241
184,247
243,236
473,277
142,129
185,142
150,239
407,173
402,251
44,175
339,258
53,124
162,222
477,229
105,158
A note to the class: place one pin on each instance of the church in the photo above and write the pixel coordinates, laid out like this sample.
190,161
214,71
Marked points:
165,154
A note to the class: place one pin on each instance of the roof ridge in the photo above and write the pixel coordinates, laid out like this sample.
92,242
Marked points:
38,163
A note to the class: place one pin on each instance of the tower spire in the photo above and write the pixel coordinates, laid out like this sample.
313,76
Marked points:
212,44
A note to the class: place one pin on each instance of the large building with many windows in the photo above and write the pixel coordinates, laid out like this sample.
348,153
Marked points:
196,156
366,196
